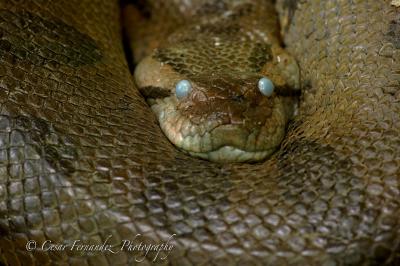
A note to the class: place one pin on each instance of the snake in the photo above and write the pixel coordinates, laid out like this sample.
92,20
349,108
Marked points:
219,113
84,157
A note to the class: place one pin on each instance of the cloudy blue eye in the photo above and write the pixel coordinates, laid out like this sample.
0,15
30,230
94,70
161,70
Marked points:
266,86
183,88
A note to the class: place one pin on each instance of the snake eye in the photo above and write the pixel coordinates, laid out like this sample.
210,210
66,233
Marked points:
266,86
183,88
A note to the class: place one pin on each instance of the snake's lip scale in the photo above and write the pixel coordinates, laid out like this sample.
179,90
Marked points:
223,153
229,154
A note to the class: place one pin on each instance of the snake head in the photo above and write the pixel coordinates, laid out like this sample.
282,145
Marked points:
224,116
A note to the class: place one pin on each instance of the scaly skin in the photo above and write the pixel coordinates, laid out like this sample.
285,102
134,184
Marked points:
82,156
222,50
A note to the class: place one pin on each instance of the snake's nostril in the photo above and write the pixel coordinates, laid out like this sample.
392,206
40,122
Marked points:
238,98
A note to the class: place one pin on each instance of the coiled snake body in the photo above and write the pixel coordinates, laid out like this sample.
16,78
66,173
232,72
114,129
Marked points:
82,156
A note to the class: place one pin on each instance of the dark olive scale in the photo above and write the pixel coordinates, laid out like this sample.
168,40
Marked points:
42,37
198,52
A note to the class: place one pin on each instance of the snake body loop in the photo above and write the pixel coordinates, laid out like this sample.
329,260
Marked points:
82,156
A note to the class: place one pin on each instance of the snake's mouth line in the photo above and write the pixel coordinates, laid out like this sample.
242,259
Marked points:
213,140
232,154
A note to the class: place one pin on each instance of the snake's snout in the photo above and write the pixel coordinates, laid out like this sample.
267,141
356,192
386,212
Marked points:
237,109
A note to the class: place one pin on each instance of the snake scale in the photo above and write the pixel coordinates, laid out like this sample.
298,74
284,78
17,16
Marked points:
82,156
